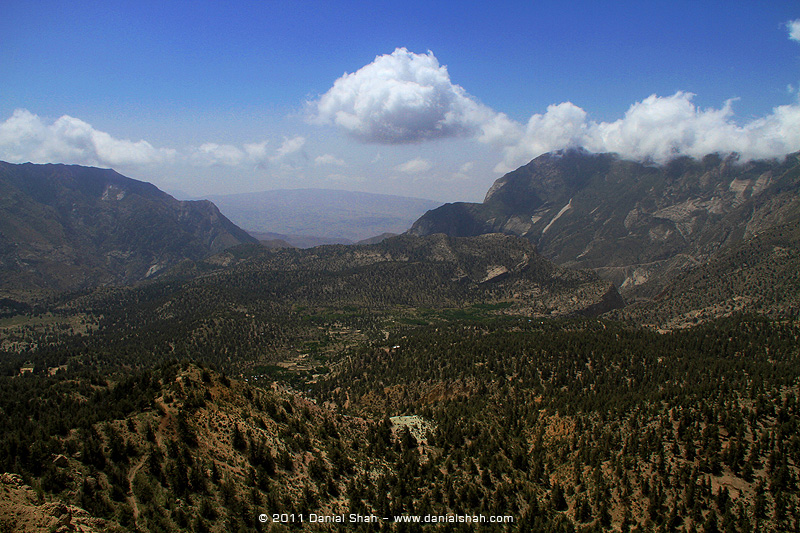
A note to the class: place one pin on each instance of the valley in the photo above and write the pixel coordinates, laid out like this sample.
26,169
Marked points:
607,359
311,217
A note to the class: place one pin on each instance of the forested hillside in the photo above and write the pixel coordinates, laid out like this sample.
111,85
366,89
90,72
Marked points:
561,425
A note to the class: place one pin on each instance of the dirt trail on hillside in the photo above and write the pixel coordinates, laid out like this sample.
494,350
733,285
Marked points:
131,497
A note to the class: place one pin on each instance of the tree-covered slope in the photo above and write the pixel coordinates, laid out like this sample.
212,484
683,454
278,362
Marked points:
563,425
252,305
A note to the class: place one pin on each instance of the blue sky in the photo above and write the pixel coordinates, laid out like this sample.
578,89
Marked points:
441,98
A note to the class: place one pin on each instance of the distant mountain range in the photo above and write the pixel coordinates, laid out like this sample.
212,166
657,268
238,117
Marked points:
310,217
684,241
70,227
642,226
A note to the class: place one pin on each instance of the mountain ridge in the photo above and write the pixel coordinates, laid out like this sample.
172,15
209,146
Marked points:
632,222
68,227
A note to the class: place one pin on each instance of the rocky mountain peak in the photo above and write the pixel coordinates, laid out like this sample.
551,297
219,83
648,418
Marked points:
630,221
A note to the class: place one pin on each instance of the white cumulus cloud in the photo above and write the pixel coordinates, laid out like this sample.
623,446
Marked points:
250,154
218,154
399,98
466,167
658,128
415,166
405,97
256,151
794,29
562,126
289,146
26,137
328,159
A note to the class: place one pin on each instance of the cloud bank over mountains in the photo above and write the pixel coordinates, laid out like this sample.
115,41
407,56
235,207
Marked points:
658,128
405,97
26,137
